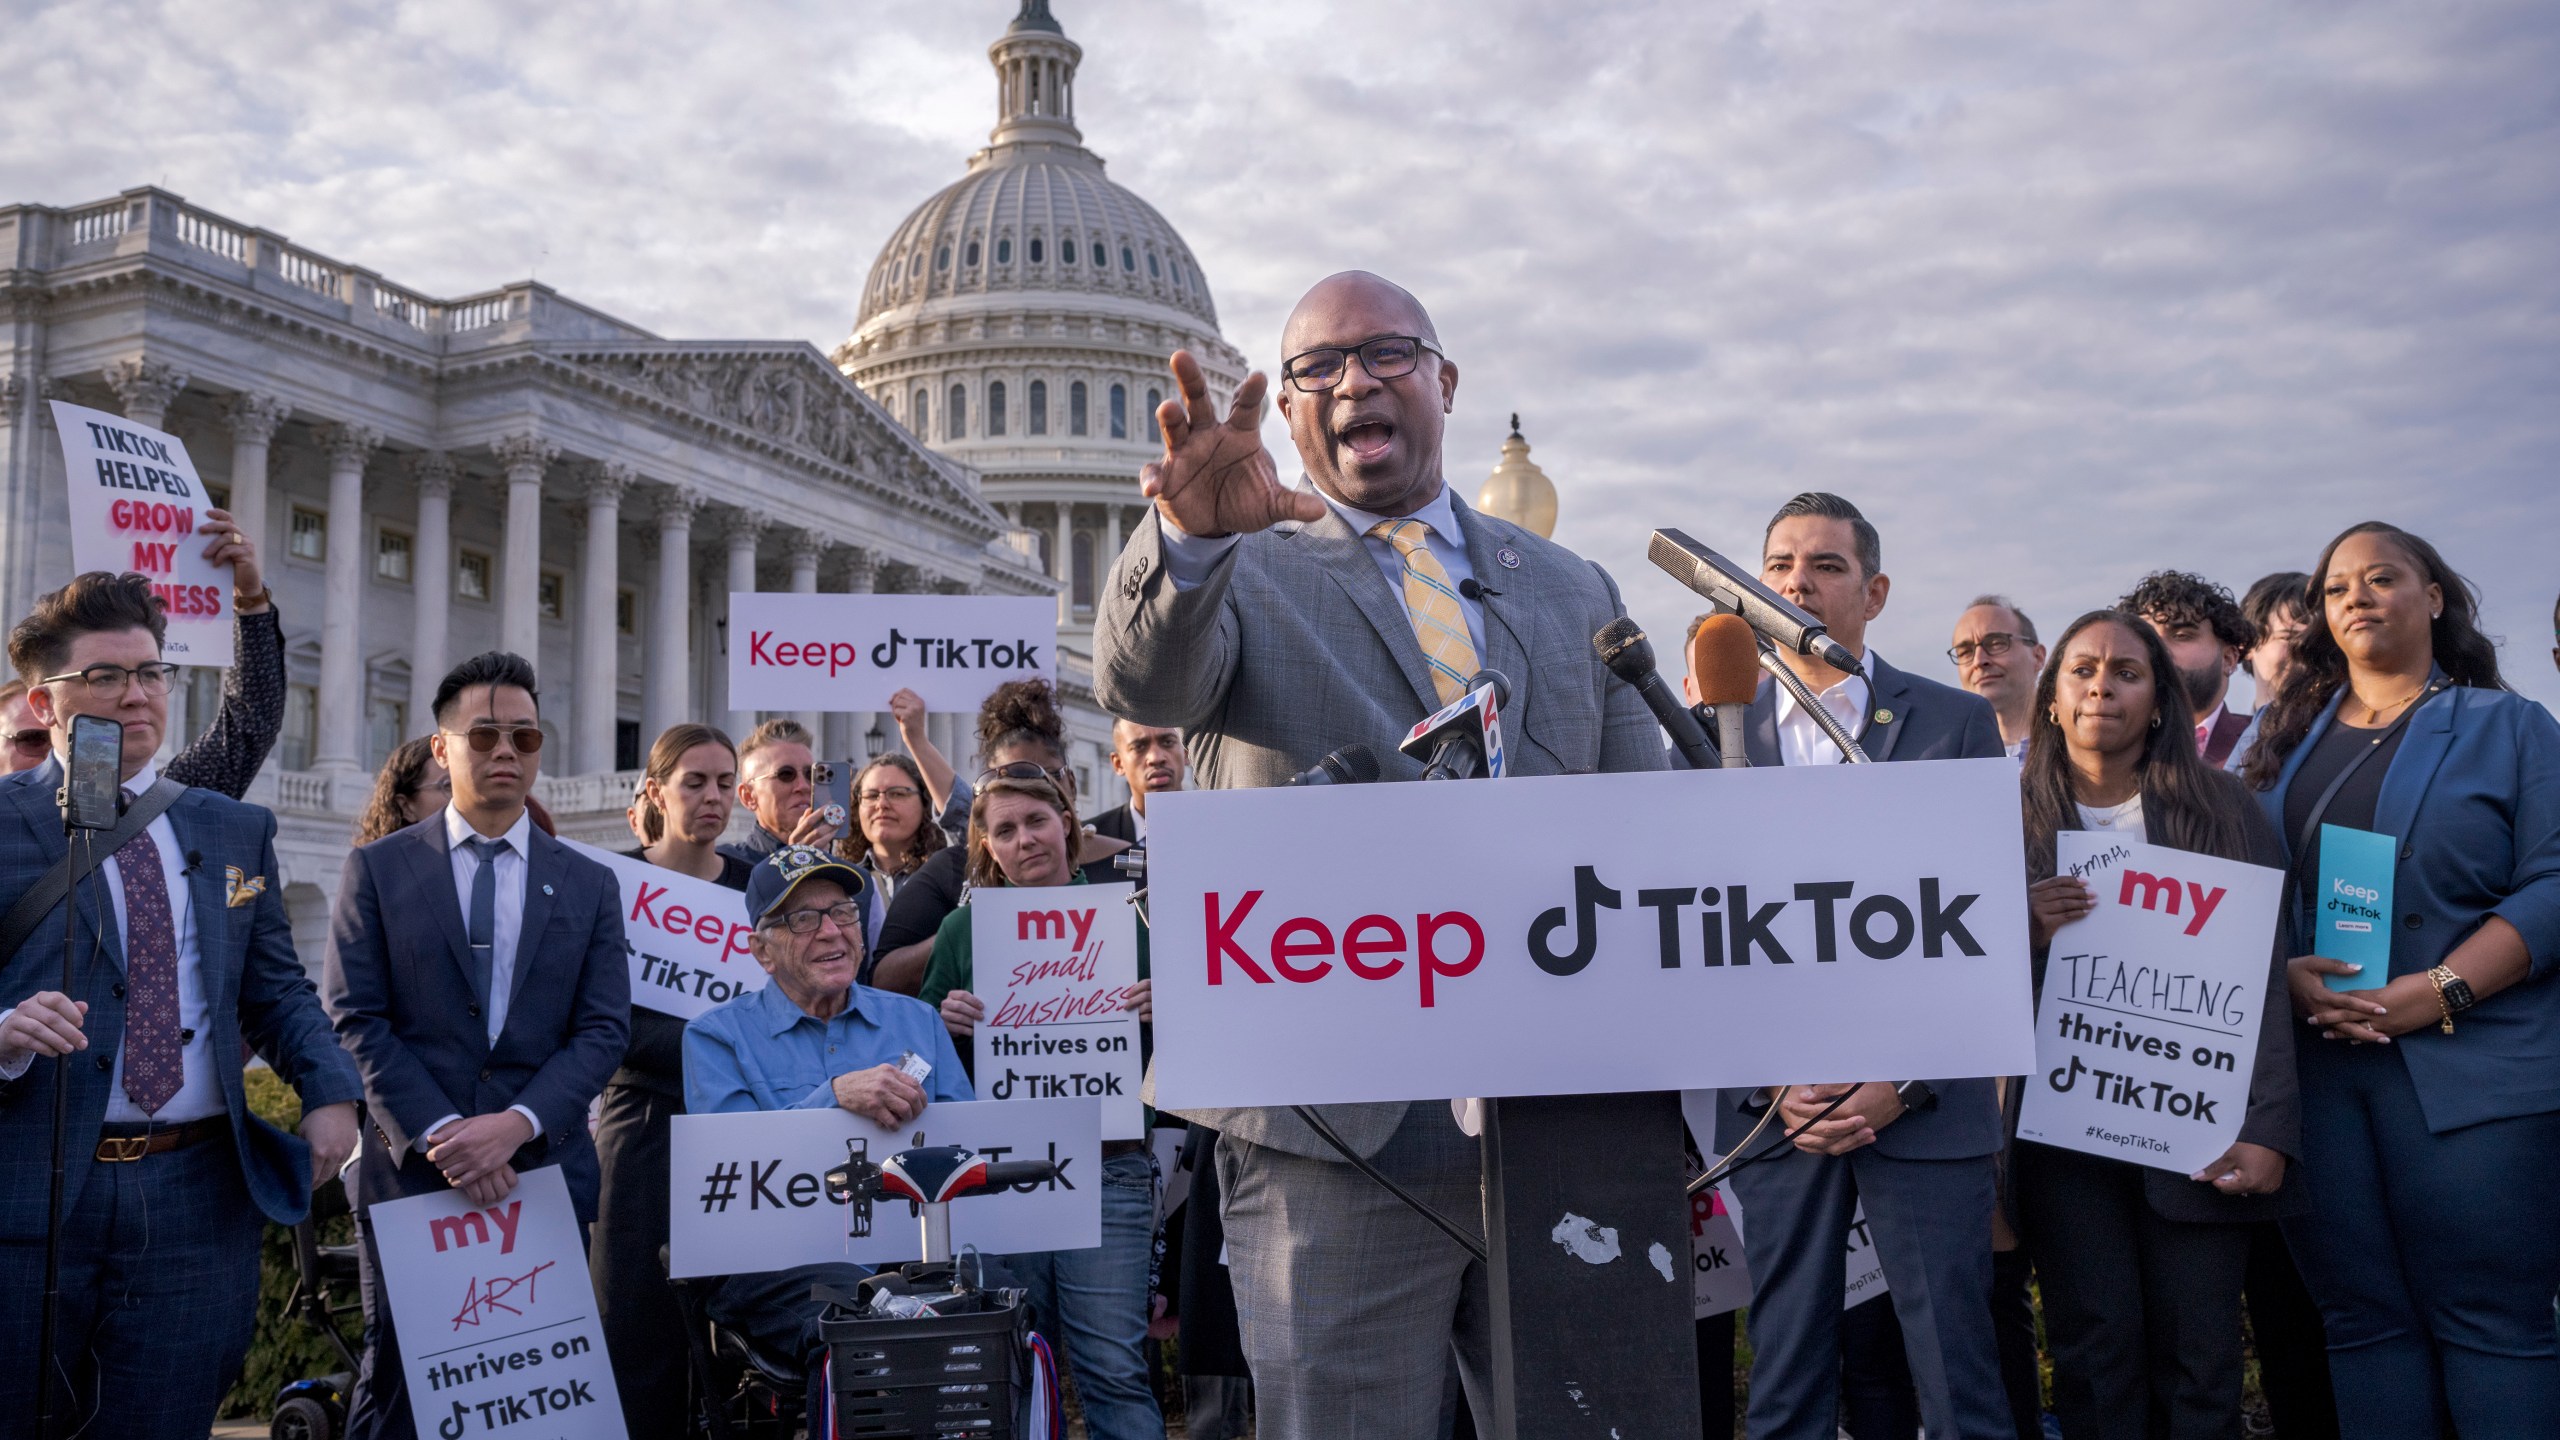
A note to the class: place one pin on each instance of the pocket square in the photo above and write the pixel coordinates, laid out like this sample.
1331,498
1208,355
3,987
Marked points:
242,889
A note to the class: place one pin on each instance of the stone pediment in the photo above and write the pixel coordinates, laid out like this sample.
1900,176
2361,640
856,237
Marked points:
789,395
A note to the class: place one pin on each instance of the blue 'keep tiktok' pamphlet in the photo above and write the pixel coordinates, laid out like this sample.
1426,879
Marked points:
2353,918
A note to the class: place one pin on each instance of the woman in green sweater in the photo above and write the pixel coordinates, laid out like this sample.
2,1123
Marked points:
1023,832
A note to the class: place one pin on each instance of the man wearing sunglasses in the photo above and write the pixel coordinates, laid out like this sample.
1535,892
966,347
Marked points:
477,972
1275,624
778,784
183,958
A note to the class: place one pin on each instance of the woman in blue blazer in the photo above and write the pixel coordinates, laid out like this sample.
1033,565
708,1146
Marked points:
2430,1105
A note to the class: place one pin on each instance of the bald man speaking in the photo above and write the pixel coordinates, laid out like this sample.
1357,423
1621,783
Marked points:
1276,624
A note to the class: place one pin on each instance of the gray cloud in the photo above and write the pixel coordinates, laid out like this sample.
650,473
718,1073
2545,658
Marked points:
2058,293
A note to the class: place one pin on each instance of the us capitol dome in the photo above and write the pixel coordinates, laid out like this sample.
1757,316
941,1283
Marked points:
1019,322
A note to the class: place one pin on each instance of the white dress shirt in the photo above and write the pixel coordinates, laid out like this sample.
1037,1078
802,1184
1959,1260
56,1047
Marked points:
1801,740
506,921
1188,559
199,1088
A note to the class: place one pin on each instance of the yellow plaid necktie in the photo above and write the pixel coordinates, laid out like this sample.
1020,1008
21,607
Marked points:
1431,603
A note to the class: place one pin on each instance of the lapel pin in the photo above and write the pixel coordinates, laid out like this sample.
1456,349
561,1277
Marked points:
546,889
1883,717
1507,558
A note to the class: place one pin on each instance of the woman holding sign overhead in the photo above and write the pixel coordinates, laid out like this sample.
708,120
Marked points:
1023,832
686,796
2396,764
2141,1267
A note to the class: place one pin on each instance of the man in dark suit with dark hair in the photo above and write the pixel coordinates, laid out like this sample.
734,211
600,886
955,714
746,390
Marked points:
184,958
1921,1154
2209,636
477,972
1151,759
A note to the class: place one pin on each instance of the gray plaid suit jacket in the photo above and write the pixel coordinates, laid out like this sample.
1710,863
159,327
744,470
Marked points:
1296,646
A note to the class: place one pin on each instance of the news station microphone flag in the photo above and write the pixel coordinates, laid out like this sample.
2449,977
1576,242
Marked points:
1273,625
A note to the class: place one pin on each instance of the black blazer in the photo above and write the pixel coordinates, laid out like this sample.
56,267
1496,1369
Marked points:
401,995
1908,718
1117,823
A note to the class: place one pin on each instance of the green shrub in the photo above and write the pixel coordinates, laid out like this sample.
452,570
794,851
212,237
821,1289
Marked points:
286,1349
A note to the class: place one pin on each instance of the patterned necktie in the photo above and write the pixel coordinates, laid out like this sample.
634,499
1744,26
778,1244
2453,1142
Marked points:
484,916
1431,603
153,1063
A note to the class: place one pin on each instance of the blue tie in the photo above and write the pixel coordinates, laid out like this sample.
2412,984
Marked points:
484,916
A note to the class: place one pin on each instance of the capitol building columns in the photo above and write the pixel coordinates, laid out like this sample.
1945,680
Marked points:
667,654
342,660
598,653
805,548
432,585
252,419
744,528
526,457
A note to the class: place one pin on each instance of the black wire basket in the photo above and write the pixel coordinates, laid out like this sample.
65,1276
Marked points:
932,1376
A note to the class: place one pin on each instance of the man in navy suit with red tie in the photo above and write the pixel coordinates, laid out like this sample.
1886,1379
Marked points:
477,971
183,959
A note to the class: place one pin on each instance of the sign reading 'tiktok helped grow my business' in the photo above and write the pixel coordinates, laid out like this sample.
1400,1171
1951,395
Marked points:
794,651
135,506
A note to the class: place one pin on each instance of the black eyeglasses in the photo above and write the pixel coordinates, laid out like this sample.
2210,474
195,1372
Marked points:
1994,644
1024,770
1385,358
108,682
845,913
484,738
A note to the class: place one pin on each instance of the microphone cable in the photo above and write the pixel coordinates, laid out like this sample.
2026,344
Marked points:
1737,1162
1324,1131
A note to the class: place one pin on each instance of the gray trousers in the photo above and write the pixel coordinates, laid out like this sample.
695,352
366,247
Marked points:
1348,1301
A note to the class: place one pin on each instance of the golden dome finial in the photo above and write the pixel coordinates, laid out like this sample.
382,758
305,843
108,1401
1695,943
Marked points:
1518,491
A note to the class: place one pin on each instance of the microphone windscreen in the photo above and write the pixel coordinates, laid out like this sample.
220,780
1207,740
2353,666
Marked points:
1724,660
1354,764
1624,649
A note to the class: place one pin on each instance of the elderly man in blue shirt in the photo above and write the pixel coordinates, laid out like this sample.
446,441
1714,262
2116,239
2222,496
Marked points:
810,1039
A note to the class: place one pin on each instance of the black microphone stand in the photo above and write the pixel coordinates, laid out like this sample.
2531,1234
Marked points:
49,1328
1830,723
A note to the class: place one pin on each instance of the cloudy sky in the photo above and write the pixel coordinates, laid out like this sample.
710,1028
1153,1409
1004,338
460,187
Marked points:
2059,293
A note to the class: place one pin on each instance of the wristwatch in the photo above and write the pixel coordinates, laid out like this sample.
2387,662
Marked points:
1916,1095
2453,995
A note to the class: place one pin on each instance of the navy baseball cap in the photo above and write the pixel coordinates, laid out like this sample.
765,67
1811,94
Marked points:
781,872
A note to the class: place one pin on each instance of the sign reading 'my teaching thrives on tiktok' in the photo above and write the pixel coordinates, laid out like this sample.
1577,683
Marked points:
135,506
1587,934
796,651
2147,1037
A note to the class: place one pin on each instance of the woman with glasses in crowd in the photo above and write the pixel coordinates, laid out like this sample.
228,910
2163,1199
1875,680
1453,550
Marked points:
686,795
892,838
2142,1268
2431,1104
411,787
1020,733
1023,832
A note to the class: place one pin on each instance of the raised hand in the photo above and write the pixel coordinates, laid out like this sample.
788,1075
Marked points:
1215,478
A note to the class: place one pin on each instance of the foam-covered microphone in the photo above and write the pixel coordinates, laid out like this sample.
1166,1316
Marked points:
1629,656
1724,663
1740,591
1464,740
1353,764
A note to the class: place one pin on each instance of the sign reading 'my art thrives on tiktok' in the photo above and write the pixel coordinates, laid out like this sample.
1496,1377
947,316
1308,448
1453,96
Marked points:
796,651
